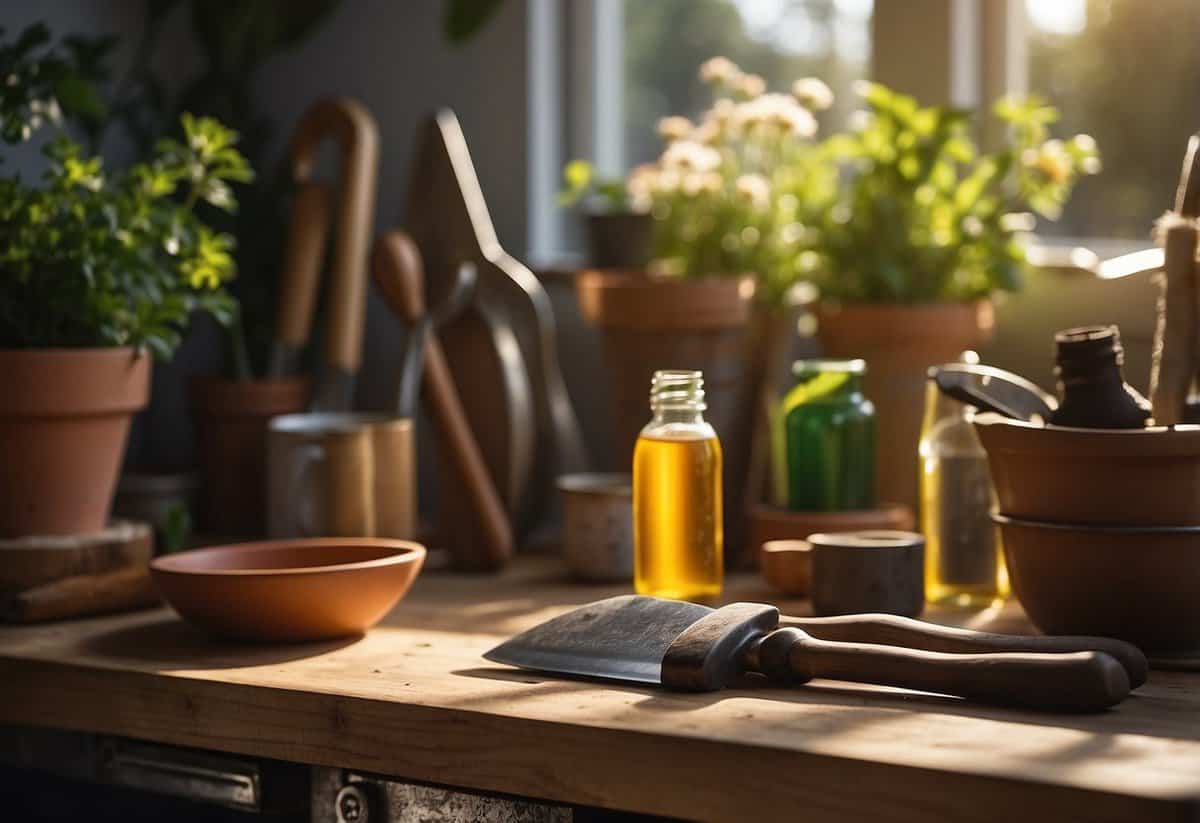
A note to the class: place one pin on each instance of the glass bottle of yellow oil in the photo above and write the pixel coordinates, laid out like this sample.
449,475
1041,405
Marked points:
677,494
964,561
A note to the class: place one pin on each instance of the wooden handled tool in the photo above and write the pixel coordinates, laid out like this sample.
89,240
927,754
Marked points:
85,594
890,630
1175,339
353,129
689,647
400,276
308,234
1075,682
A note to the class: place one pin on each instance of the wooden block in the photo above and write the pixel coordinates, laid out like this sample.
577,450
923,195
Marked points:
86,594
26,562
868,572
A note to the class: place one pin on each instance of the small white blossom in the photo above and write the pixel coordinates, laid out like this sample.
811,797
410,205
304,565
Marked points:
719,71
688,155
813,93
751,85
674,128
755,190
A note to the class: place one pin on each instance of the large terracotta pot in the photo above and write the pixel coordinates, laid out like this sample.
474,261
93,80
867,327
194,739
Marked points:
900,342
64,419
651,323
231,422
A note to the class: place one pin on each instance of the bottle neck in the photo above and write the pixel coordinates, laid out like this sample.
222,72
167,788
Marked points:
668,415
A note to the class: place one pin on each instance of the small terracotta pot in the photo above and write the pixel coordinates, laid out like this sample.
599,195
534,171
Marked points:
900,342
64,419
651,323
231,421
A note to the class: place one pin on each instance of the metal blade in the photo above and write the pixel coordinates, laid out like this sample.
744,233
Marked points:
621,638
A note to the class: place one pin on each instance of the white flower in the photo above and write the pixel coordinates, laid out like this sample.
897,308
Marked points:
751,85
1084,142
778,110
688,155
719,71
813,93
755,190
641,185
674,128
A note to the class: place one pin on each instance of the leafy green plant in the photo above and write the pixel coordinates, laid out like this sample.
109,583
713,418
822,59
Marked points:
582,185
922,216
96,259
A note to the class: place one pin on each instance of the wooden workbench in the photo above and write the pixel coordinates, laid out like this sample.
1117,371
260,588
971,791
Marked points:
414,699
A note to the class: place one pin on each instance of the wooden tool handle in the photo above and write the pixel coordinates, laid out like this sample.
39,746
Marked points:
84,594
889,630
1173,363
353,128
1075,682
307,236
398,273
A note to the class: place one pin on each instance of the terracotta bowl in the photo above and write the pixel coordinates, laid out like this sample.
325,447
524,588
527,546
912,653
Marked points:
1140,584
1116,477
286,591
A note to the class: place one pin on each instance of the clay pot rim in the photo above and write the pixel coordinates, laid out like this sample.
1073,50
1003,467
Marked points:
404,552
599,484
50,352
1093,528
1181,431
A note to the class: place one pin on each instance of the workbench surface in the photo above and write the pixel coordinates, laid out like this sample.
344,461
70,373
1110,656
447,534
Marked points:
414,699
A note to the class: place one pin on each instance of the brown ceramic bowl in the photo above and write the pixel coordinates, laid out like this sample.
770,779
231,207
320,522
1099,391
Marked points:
286,591
1116,477
1140,584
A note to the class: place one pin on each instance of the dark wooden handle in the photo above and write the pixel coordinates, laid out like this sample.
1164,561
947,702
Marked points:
1072,682
890,630
307,236
398,273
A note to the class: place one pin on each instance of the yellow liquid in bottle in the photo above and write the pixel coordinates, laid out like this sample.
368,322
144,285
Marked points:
964,561
677,517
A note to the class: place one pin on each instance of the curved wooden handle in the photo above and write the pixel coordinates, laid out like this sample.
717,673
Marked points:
352,127
398,271
890,630
307,236
1074,682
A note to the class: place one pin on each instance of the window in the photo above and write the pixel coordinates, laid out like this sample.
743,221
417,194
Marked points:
1126,72
781,40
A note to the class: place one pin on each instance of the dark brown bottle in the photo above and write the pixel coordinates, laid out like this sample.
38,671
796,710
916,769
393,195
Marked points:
1092,389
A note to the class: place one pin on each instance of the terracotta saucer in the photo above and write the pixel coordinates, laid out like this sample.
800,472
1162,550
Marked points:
287,591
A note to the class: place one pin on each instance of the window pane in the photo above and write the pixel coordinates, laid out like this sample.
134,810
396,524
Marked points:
782,40
1128,73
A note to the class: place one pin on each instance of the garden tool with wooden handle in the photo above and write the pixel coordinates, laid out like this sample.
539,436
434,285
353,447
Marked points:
351,126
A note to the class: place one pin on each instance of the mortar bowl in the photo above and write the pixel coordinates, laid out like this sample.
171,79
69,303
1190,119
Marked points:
1112,477
1135,583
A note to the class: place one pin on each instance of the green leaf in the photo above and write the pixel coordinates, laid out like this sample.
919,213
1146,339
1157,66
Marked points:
466,18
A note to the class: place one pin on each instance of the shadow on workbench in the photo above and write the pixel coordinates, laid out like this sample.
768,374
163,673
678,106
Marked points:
171,643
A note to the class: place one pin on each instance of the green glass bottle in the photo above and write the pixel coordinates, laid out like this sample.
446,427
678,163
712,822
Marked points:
828,433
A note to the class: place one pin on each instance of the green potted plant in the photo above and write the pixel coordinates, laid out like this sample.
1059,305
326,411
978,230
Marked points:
730,199
920,234
618,236
100,271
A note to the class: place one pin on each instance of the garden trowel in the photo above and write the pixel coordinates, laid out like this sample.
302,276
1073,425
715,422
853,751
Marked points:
689,647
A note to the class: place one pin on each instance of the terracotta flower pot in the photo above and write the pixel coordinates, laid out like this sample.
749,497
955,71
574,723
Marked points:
900,342
651,323
64,418
231,422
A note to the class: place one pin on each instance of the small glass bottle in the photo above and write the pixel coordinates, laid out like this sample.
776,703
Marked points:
1092,386
828,438
964,564
677,494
